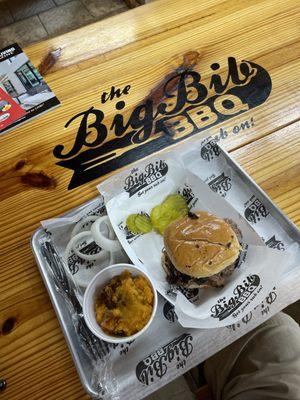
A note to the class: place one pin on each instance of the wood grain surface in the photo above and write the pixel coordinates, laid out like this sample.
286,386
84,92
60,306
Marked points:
140,48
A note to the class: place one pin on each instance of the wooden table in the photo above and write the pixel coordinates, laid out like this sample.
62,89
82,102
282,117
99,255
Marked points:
139,48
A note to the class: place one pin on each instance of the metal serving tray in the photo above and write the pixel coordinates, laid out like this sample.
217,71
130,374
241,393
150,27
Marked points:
140,381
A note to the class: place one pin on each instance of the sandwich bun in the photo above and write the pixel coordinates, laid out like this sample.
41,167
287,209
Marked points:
201,244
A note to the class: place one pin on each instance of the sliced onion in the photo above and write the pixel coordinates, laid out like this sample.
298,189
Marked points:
111,232
78,227
111,245
73,242
101,256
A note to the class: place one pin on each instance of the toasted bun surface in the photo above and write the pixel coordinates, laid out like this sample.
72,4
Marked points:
201,247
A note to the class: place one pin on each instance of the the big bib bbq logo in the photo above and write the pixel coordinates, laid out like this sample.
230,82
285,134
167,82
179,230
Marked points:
273,243
169,312
137,180
74,261
242,294
255,210
188,105
220,184
155,366
210,150
128,234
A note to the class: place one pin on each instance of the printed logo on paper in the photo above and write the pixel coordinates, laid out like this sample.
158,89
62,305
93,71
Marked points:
245,320
255,210
243,294
220,184
275,244
137,180
169,312
182,105
210,150
190,294
265,306
128,234
188,194
124,348
156,365
74,261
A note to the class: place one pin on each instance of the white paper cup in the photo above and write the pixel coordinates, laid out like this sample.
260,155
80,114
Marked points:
94,288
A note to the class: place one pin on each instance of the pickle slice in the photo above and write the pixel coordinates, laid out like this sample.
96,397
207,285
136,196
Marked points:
173,207
163,222
138,223
177,202
155,214
143,223
130,223
156,217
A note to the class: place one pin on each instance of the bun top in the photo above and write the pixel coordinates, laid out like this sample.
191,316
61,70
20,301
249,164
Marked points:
201,245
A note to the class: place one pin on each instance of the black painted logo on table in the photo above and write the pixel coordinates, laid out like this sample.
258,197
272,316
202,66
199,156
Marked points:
241,295
137,180
190,105
220,184
155,366
275,244
255,210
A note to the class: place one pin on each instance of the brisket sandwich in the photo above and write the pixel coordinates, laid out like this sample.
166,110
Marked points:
201,250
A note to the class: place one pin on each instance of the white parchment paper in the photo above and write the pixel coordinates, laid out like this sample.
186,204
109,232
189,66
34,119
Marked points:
203,176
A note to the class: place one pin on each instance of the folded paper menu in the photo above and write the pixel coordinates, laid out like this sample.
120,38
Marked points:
24,94
10,111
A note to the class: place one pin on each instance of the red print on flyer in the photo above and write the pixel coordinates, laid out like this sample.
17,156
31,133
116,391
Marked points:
10,111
